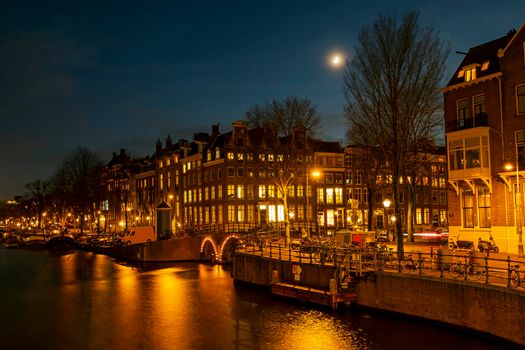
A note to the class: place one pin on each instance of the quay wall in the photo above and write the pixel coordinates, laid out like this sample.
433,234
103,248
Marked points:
490,309
180,249
259,270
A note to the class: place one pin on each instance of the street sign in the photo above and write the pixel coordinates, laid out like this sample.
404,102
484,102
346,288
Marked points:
296,271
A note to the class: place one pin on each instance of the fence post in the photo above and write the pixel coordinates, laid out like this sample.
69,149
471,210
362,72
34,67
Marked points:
508,271
440,262
486,270
419,261
465,267
279,251
289,252
270,250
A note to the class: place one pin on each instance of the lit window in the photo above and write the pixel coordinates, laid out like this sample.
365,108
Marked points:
470,74
467,203
271,191
484,207
240,213
262,191
485,66
231,156
240,156
231,191
240,191
329,195
339,195
461,73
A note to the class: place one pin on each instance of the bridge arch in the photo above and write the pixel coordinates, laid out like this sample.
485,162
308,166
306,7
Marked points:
209,249
227,248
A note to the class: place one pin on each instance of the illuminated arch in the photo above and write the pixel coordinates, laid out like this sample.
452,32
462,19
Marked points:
225,242
214,246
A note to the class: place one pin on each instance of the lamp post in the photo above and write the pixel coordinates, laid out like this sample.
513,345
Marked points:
315,174
519,232
386,204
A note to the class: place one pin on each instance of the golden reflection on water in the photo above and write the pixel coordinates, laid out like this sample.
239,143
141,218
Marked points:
311,330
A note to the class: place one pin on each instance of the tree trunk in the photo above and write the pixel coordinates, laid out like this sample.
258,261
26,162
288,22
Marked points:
286,220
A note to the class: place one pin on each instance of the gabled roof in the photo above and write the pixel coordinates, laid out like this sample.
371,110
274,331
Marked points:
483,53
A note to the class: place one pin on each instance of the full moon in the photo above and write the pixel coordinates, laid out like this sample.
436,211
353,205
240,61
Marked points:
336,60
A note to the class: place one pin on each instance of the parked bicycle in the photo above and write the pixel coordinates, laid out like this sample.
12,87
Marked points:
516,277
410,263
467,269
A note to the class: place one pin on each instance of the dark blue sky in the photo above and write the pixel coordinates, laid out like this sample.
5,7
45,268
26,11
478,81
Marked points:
110,74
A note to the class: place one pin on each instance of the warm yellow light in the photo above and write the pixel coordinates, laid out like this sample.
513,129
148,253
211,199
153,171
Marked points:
316,173
291,214
386,203
393,219
170,197
121,223
509,166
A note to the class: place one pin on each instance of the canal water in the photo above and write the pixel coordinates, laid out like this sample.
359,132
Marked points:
87,301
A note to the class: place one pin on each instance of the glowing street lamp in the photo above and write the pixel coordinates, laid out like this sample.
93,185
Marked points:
315,174
386,204
509,167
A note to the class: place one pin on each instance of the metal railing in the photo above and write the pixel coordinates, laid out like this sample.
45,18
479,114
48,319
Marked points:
473,267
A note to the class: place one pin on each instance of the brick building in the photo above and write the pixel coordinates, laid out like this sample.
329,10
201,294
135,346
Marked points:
226,182
484,105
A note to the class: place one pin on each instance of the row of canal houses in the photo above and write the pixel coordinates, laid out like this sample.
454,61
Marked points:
214,182
472,186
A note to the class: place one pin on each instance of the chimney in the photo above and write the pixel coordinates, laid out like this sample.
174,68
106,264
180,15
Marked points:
158,146
168,142
215,130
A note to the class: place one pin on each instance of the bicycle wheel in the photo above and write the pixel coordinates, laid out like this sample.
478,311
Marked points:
474,272
514,279
456,270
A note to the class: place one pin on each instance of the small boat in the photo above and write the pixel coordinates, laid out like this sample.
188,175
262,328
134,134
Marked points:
11,241
35,242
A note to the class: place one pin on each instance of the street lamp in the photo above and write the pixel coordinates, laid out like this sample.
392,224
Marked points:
519,232
315,174
386,204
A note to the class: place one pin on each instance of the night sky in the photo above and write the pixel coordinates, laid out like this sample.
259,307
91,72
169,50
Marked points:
123,74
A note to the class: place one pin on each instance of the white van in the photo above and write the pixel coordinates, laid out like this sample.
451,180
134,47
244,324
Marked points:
140,234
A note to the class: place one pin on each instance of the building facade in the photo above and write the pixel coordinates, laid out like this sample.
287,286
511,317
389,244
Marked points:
226,182
484,105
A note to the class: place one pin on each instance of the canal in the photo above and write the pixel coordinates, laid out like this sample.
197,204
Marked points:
87,301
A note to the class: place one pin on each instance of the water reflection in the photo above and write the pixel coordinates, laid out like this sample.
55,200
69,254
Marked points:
87,301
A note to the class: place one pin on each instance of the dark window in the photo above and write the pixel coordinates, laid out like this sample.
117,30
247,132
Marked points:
520,98
479,105
463,112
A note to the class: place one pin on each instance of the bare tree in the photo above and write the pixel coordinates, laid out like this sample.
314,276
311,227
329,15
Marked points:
287,126
83,170
392,91
38,197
